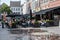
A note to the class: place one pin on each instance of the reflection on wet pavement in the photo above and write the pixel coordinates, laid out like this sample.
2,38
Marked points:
14,34
5,34
32,34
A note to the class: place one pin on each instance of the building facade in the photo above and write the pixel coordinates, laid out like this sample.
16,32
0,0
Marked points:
24,9
15,6
41,7
37,5
46,4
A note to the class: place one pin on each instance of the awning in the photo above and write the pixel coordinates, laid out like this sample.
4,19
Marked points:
46,10
13,15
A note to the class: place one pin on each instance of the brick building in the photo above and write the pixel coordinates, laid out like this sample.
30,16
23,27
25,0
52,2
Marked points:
49,9
50,4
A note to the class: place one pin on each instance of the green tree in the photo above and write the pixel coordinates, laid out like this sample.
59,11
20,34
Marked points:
5,8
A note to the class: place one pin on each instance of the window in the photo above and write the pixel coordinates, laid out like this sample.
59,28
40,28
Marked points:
11,8
33,0
18,9
36,0
14,9
52,0
21,9
44,1
27,0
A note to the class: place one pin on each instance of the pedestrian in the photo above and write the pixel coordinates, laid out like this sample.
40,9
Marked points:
6,23
28,23
2,24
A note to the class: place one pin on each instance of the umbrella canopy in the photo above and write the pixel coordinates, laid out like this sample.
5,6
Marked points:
13,15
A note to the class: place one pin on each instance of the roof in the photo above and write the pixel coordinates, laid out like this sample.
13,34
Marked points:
13,15
15,3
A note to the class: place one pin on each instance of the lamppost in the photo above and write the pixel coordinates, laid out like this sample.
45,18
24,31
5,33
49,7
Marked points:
30,14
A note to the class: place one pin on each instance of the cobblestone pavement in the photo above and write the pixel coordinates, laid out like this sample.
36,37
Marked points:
55,30
6,35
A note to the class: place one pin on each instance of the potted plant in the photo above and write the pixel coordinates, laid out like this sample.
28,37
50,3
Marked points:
49,23
36,23
13,24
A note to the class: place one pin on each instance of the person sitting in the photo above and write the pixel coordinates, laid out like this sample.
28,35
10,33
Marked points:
42,22
13,23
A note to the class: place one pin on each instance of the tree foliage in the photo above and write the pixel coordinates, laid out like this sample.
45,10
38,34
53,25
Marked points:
5,8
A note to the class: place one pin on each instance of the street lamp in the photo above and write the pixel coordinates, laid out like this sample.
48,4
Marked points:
30,14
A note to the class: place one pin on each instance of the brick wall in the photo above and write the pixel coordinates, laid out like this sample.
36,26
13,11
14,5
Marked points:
51,4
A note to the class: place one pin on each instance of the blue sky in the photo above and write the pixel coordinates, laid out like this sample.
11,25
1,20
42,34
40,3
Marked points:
8,1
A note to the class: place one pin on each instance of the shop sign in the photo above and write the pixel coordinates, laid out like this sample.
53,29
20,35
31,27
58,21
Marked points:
37,9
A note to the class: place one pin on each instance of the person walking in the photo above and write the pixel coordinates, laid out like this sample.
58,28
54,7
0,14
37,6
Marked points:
28,23
2,22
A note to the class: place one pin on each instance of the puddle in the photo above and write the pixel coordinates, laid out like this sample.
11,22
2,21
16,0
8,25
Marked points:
20,31
25,34
23,37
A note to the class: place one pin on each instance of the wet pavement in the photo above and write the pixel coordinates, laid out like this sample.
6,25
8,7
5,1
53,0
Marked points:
5,33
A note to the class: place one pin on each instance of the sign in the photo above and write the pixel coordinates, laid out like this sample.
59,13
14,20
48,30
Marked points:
36,9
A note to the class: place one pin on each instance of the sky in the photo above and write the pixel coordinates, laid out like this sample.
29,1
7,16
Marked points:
8,1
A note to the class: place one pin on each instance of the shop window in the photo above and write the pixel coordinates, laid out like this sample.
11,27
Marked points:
44,16
45,1
50,16
52,0
38,17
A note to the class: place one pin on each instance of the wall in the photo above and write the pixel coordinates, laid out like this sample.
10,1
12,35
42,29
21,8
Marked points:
51,4
24,8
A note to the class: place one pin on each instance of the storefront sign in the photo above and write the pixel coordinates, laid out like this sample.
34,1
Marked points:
37,9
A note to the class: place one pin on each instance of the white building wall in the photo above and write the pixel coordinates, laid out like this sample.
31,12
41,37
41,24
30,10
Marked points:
20,10
34,5
16,9
24,9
